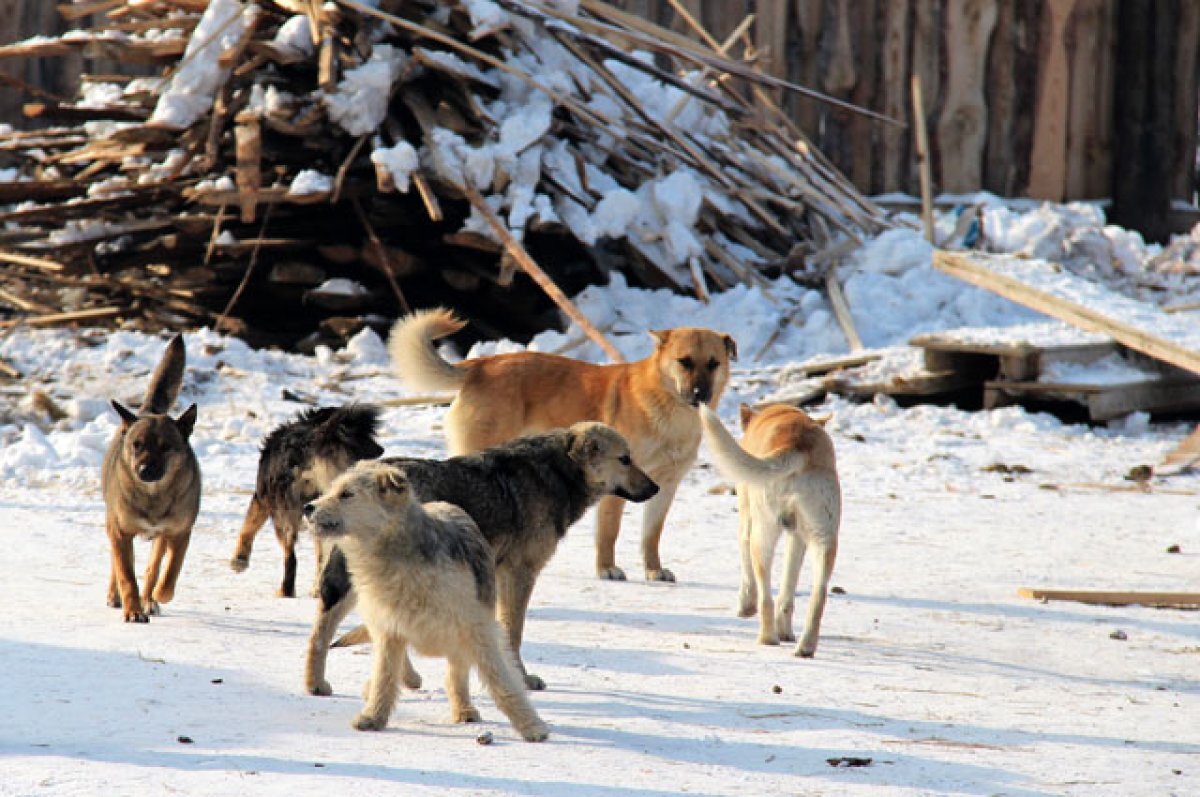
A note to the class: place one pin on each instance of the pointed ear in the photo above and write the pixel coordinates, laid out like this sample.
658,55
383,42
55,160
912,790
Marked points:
730,347
127,417
747,414
187,422
660,336
581,445
391,482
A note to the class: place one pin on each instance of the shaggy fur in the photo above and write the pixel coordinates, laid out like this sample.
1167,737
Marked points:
652,402
150,480
787,483
523,495
299,460
425,577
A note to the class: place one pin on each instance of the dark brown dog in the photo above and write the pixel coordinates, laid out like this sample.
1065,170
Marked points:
151,486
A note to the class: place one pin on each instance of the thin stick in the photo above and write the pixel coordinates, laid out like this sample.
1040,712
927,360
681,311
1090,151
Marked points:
216,233
923,157
59,318
432,206
22,303
32,262
841,309
385,260
538,275
249,269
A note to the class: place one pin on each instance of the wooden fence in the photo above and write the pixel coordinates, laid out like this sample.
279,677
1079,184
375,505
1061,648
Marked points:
1019,94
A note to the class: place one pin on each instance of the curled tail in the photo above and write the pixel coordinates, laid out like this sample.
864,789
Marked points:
738,464
416,363
166,379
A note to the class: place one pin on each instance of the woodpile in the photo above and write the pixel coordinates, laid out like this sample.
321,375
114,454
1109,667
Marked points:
292,170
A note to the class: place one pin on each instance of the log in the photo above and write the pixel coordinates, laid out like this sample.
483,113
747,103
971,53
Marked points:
1048,160
962,126
1175,600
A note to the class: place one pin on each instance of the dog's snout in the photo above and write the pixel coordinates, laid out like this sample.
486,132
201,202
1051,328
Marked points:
701,393
309,508
149,472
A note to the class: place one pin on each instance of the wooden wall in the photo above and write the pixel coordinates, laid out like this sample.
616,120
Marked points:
21,19
1019,94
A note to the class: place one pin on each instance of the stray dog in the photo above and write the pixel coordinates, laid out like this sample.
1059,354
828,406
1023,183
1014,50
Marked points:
787,481
299,460
652,402
523,495
425,577
151,485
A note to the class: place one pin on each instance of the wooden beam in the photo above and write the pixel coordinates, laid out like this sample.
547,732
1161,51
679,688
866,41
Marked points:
923,167
1048,158
1114,598
1048,288
962,126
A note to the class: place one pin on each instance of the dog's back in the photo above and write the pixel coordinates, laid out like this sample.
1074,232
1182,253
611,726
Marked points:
313,448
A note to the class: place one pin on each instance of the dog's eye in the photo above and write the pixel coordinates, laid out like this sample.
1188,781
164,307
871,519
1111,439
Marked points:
346,495
712,363
687,362
626,460
138,445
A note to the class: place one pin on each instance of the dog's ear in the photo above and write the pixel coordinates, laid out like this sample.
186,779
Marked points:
187,422
581,445
730,347
747,414
127,418
661,336
391,482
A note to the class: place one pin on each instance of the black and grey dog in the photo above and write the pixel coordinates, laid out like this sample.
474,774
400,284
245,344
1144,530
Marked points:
523,495
299,460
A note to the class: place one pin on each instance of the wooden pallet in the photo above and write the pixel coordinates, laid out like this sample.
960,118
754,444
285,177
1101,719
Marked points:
1103,402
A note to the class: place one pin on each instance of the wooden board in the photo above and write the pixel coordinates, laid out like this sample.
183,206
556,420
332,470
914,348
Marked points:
1050,289
1103,402
1114,598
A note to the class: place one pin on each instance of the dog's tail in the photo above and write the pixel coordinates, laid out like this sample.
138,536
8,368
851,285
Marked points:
416,363
359,635
738,464
166,380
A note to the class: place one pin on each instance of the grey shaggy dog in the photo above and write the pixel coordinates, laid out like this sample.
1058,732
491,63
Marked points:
424,576
523,495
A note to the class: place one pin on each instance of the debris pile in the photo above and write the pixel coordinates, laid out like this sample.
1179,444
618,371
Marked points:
294,170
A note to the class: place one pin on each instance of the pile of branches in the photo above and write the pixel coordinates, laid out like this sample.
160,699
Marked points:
290,170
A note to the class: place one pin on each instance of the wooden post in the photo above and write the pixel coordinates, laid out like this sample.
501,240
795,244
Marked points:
1048,160
922,144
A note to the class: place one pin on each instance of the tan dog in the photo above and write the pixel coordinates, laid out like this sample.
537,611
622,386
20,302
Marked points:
787,482
425,576
652,402
151,485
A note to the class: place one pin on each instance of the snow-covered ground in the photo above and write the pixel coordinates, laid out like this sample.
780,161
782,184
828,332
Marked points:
930,665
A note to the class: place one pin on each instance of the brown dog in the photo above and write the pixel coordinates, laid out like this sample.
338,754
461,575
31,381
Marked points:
151,486
652,402
787,479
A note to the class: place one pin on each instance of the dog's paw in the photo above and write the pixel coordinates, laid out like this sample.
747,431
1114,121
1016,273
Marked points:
806,649
786,635
238,564
114,601
663,575
411,678
768,639
535,732
534,683
285,592
152,607
136,617
365,722
613,573
319,689
466,714
747,609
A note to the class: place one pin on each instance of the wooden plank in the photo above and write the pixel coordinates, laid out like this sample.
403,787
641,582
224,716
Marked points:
1183,456
893,89
1048,170
923,167
1114,598
1048,288
1089,114
962,126
928,383
1103,402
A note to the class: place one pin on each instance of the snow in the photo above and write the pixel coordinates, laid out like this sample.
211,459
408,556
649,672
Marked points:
295,34
310,181
191,90
929,663
360,101
399,160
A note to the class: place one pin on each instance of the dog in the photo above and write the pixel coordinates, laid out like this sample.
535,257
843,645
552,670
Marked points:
652,402
298,462
150,480
523,495
787,482
425,577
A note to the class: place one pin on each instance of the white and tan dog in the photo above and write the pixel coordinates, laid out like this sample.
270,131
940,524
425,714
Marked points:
425,577
787,482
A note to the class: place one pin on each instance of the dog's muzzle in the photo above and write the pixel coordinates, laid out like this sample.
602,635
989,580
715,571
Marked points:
645,494
322,527
150,472
700,394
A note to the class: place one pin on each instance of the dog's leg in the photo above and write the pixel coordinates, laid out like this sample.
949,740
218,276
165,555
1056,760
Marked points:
256,515
158,549
324,627
321,556
608,526
385,687
503,681
748,593
654,516
122,574
514,587
825,556
176,545
762,551
286,531
458,671
785,602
